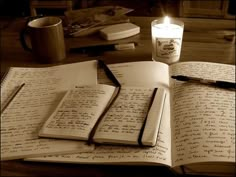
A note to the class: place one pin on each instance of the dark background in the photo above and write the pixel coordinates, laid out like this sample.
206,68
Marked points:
19,8
14,8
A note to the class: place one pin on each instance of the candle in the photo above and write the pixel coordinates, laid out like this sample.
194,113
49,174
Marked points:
166,39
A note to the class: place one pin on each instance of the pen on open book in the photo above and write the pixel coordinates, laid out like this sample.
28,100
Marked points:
12,96
217,83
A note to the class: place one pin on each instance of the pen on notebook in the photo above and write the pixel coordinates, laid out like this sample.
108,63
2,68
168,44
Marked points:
216,83
12,96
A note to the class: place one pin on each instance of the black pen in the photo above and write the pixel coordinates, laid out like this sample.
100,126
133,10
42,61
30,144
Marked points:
104,47
216,83
12,96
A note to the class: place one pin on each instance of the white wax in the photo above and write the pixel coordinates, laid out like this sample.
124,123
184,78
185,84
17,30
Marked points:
166,42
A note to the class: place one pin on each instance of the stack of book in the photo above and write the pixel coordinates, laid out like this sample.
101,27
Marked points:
88,21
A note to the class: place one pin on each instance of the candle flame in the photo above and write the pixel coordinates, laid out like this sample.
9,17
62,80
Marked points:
166,20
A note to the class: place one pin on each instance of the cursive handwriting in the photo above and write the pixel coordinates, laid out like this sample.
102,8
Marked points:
203,116
126,116
21,121
78,112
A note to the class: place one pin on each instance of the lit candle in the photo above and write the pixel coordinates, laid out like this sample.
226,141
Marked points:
166,39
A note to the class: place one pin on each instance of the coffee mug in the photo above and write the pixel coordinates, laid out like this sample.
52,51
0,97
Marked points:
47,39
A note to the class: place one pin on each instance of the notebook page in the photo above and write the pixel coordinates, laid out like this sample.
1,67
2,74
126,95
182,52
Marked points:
78,112
124,119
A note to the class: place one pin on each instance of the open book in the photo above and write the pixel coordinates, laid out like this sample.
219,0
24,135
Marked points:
108,114
197,130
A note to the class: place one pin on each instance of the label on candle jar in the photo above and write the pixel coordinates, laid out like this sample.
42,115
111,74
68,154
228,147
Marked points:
168,47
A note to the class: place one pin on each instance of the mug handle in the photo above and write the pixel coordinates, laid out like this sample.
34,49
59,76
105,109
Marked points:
22,39
24,33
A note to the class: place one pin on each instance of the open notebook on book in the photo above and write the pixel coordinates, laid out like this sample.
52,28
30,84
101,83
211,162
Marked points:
111,114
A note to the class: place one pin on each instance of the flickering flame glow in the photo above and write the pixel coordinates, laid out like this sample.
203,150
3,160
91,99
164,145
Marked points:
166,20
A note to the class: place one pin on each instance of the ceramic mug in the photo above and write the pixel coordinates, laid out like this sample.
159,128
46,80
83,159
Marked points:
47,39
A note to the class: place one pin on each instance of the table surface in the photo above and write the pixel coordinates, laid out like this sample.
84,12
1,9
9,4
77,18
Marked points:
211,40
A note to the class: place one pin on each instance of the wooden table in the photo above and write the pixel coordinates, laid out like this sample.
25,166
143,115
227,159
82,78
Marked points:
203,40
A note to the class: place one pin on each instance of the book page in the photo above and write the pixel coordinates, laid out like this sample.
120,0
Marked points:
144,73
78,112
203,121
124,119
44,88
